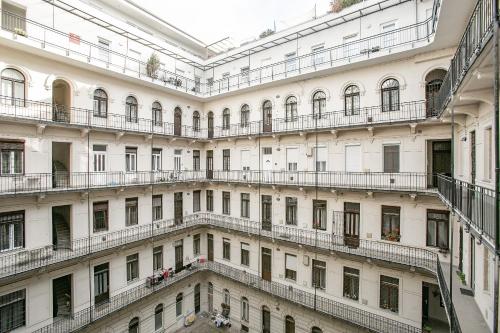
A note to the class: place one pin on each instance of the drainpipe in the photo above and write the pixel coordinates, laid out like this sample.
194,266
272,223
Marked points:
452,323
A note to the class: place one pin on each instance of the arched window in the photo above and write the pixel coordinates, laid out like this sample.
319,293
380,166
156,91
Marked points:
316,329
226,306
244,115
266,320
226,119
13,85
133,325
227,297
245,309
351,100
390,95
433,82
178,305
157,114
289,324
319,103
267,116
196,121
177,121
100,103
131,107
291,109
210,124
159,316
197,298
210,297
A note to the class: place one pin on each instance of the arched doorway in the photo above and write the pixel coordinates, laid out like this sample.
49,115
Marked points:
267,114
61,100
177,121
433,82
266,320
210,125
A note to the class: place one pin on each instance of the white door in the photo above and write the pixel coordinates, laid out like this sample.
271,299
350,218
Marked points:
353,158
321,155
267,158
292,159
245,160
177,160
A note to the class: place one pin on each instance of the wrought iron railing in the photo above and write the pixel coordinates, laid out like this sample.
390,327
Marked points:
476,204
478,32
447,301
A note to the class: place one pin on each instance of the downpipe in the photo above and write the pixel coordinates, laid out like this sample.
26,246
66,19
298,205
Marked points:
497,161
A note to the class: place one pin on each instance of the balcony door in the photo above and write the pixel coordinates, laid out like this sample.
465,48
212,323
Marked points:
266,264
441,159
351,224
267,117
210,125
210,164
473,157
267,212
178,215
179,255
210,247
177,121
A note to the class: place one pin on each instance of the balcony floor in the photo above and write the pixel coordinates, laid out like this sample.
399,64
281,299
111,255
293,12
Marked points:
205,324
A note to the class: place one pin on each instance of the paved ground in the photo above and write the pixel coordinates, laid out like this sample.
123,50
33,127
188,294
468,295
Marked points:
205,325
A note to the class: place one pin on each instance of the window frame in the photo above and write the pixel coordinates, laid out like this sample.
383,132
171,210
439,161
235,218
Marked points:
132,263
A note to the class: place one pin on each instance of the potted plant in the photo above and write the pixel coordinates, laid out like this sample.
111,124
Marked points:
427,328
153,65
20,32
338,5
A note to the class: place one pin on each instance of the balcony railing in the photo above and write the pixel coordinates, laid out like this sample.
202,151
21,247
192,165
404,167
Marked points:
476,204
478,32
34,183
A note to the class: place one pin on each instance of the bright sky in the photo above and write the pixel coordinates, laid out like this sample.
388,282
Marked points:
212,20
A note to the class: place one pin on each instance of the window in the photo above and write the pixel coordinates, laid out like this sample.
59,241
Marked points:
289,324
133,325
178,305
245,205
225,80
316,330
12,311
99,158
319,274
159,317
319,103
319,214
13,86
12,157
131,109
292,159
351,283
196,121
158,258
488,153
157,207
321,155
350,47
291,211
131,211
196,201
157,114
227,297
210,200
103,45
196,160
11,230
210,294
245,74
244,115
388,37
13,17
226,119
391,158
226,249
351,100
437,229
130,159
226,159
196,244
101,283
318,55
226,203
100,103
291,109
290,267
197,84
132,267
156,159
390,223
389,293
177,159
290,62
245,160
390,95
100,216
245,309
245,254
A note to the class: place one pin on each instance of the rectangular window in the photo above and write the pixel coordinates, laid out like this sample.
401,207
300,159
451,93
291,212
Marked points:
292,159
290,267
245,160
157,207
350,46
132,267
226,249
320,158
100,210
177,159
488,154
196,201
245,205
99,158
101,283
130,159
389,293
131,211
158,258
12,311
291,211
319,214
11,230
318,54
210,200
290,62
437,228
226,159
245,74
226,203
156,159
196,160
390,223
245,254
388,37
319,274
196,245
391,158
351,283
104,49
11,157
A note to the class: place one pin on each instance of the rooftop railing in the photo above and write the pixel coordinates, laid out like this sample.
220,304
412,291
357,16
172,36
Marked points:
478,32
